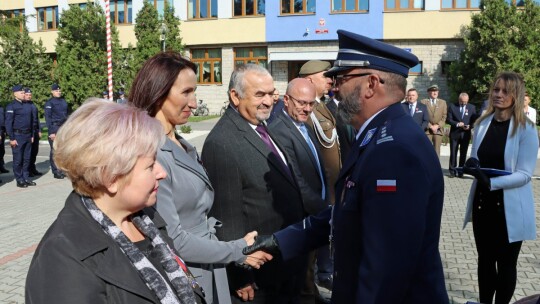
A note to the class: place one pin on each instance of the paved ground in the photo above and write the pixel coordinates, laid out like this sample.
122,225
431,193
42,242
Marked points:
26,214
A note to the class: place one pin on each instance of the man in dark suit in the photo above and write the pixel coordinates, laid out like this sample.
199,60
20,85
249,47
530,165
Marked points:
299,141
461,118
385,228
278,107
418,111
254,186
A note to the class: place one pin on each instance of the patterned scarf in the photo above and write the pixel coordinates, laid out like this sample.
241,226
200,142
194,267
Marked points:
182,292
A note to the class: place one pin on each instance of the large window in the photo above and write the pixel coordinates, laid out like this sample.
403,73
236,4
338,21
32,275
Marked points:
417,69
460,4
47,18
160,5
248,8
202,9
209,65
245,55
344,6
297,7
396,5
121,11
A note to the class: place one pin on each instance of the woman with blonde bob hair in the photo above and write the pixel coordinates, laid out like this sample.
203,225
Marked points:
107,245
501,206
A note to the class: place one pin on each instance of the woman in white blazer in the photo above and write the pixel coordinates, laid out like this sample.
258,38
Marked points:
165,87
502,207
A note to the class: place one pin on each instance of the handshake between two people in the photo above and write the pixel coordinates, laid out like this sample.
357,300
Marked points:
472,167
260,249
256,250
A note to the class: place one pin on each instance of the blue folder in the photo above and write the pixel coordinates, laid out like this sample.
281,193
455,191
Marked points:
489,171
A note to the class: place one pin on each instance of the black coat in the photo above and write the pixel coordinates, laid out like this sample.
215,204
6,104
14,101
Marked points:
252,192
76,262
421,115
455,116
303,161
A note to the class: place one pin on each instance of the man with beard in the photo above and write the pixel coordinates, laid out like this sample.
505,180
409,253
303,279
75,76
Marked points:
385,228
254,186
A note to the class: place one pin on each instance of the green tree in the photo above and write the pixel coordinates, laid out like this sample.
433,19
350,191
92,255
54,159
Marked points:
23,61
81,47
147,32
500,38
172,38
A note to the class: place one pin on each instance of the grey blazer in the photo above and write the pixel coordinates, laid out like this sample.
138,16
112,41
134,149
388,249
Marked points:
184,199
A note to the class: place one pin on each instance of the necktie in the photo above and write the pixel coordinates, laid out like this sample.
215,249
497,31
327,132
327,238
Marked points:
462,111
411,109
433,102
304,131
268,142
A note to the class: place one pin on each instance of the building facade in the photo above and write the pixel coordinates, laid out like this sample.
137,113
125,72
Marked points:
282,35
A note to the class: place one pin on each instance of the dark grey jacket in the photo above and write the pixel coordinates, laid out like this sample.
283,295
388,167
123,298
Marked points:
76,262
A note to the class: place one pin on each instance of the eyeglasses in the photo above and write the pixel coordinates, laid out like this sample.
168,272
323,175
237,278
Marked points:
303,103
339,79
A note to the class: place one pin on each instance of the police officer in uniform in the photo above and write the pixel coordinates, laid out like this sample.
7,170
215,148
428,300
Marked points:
2,140
37,134
121,97
20,128
56,112
385,228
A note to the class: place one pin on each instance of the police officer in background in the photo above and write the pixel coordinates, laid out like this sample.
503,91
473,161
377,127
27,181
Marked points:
56,112
385,228
37,134
121,97
20,128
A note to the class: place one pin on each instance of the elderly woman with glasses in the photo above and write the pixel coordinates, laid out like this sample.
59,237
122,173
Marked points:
165,87
107,245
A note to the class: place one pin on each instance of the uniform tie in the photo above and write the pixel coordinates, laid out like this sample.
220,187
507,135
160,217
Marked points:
268,142
304,131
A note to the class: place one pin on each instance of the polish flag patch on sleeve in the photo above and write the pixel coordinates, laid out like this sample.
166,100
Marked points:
386,185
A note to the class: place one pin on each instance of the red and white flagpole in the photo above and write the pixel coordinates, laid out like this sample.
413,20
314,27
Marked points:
109,48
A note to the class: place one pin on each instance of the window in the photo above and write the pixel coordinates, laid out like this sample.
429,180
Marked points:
202,9
209,65
159,5
245,55
248,8
83,6
47,18
445,67
18,13
121,11
297,7
343,6
416,70
460,4
521,2
396,5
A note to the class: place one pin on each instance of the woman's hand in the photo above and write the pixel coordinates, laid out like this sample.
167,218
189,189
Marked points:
250,238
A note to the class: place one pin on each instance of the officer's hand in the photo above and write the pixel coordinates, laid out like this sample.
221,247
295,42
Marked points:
52,136
13,143
472,167
267,243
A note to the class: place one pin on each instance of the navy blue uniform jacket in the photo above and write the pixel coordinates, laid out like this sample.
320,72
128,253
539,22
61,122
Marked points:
386,219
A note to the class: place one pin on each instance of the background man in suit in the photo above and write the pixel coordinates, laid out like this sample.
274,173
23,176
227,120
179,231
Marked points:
437,109
299,142
278,106
385,227
461,117
254,186
322,121
418,111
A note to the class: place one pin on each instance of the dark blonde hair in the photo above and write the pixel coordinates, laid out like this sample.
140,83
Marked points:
101,142
515,88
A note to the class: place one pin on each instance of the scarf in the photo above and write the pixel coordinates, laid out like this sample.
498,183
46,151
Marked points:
181,290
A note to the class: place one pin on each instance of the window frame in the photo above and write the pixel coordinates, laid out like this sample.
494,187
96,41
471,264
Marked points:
421,64
459,8
255,9
198,10
291,8
251,57
200,64
10,14
344,10
127,17
55,18
410,8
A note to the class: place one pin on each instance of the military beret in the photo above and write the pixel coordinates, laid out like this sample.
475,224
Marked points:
357,51
17,88
314,66
27,90
433,88
55,87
